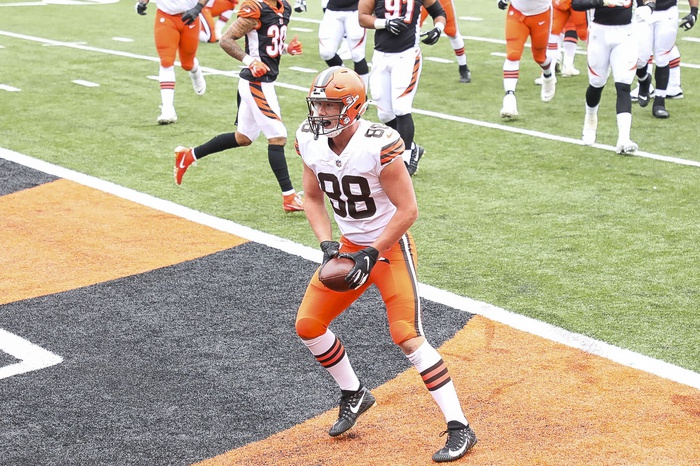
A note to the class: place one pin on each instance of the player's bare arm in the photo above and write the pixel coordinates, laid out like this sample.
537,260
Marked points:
315,206
238,29
397,185
365,11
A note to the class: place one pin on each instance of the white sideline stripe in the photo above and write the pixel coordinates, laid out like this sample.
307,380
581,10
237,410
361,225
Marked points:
31,356
5,87
443,116
301,69
517,321
551,137
438,59
82,82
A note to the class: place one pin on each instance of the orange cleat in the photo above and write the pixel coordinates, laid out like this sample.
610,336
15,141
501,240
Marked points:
183,159
293,203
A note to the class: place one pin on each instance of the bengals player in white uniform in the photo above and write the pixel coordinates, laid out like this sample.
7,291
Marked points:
340,22
357,165
176,32
658,28
397,62
263,23
611,46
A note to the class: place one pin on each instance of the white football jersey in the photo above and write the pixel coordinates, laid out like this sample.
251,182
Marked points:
351,179
531,7
175,7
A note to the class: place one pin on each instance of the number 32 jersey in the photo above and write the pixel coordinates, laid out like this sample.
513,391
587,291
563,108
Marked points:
351,179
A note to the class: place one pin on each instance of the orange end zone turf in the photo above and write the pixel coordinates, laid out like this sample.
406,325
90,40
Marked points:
41,255
530,401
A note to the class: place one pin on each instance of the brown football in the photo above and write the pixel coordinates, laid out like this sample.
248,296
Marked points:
333,273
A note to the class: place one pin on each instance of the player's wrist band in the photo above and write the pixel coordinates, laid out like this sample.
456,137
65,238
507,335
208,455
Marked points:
247,60
380,23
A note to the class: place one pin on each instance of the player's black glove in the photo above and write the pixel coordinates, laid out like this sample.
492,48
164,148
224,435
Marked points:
503,4
364,262
431,37
689,20
141,8
396,25
330,250
190,15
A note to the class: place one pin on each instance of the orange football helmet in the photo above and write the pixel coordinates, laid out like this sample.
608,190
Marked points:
336,85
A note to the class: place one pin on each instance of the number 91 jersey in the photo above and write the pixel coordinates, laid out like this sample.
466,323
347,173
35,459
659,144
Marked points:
351,179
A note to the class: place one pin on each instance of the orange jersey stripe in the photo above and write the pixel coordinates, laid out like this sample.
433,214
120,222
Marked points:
249,9
390,151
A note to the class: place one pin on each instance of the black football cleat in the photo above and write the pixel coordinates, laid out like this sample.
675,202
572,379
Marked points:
460,439
416,155
465,76
644,91
352,404
659,110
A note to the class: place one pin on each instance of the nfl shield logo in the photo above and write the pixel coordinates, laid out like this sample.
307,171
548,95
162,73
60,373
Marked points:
337,163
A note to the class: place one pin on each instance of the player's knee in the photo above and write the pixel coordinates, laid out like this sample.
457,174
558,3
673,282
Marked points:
385,116
597,82
539,58
167,62
242,140
278,141
661,61
582,34
514,55
326,53
308,328
357,55
402,331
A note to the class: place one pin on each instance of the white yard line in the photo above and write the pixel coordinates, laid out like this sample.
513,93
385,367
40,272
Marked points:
526,324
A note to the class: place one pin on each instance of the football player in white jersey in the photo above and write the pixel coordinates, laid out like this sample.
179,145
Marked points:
611,46
357,165
658,28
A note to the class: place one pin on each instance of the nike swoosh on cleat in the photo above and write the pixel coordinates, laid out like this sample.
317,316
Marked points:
182,163
454,454
356,408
